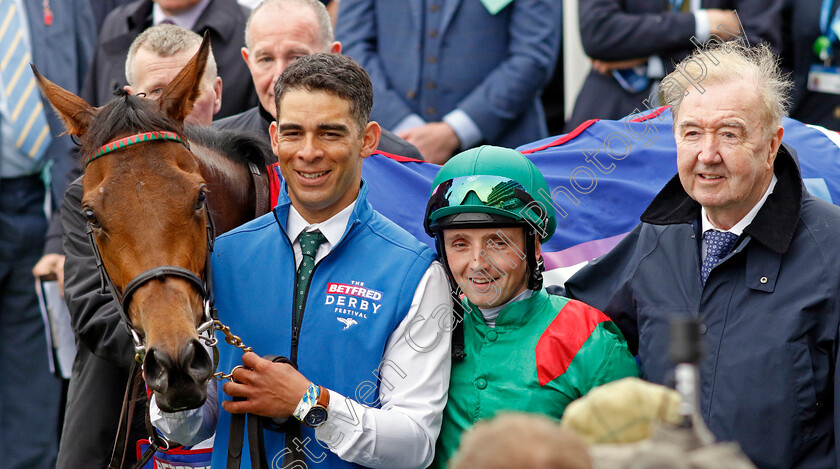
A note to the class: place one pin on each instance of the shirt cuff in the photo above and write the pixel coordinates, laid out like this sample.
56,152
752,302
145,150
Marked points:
409,122
702,28
344,423
655,68
465,129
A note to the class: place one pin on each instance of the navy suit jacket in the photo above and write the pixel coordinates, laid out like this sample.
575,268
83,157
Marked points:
61,52
492,67
623,29
809,107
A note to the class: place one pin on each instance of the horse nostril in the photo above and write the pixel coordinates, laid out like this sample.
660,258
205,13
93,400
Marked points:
155,368
196,361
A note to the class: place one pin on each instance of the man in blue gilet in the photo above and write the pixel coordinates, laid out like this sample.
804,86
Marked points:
358,304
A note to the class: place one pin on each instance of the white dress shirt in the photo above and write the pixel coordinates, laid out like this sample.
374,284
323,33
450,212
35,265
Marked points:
185,20
401,433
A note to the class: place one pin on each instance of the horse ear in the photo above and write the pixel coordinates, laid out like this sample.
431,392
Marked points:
176,100
73,110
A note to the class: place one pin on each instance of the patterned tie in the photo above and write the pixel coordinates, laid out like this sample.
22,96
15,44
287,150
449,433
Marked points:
718,245
309,243
26,110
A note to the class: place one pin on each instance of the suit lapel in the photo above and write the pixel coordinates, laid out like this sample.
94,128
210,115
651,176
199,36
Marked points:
449,9
417,15
34,13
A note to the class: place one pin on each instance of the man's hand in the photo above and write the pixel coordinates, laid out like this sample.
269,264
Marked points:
270,389
723,19
51,264
605,67
436,141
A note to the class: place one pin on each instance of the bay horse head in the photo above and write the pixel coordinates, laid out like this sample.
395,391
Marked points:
145,204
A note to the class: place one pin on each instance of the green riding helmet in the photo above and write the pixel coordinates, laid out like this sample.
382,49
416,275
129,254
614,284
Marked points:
490,186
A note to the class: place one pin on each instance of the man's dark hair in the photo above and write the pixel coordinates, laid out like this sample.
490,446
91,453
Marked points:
336,74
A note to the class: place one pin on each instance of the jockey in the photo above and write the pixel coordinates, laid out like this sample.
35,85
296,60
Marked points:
523,348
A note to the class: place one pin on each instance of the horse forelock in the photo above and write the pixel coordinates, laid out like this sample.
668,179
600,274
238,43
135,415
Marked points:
126,115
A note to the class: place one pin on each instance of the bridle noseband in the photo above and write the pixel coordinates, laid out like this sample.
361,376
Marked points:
123,300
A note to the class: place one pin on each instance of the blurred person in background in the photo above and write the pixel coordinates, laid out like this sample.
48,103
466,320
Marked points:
632,45
812,52
35,158
277,33
451,74
224,19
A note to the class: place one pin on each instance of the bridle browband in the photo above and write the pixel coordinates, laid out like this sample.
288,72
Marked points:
136,138
123,300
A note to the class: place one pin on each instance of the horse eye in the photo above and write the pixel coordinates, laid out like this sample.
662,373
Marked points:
90,216
201,200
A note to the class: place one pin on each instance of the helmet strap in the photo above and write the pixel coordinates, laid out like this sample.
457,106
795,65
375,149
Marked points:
458,348
535,266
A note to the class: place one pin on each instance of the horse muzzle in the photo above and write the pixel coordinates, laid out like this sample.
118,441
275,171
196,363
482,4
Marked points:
181,383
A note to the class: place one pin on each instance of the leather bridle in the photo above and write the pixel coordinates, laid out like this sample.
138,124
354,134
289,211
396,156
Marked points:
203,284
210,323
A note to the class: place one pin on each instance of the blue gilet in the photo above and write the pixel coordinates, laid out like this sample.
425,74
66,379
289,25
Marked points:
358,295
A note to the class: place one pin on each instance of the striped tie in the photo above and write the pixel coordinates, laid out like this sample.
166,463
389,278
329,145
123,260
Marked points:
25,108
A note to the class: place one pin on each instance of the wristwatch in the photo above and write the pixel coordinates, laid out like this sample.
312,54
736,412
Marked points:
312,408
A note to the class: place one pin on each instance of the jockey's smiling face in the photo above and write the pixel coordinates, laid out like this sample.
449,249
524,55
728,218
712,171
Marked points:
489,267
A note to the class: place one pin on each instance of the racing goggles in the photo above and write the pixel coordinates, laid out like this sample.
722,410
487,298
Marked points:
493,191
497,194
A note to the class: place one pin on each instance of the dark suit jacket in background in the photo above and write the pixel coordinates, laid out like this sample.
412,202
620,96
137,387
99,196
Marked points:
256,120
493,67
101,8
30,411
621,30
803,20
61,52
225,19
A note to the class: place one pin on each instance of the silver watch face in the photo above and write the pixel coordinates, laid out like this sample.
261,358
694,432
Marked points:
316,416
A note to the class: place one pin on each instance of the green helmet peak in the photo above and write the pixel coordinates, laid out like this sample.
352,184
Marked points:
490,186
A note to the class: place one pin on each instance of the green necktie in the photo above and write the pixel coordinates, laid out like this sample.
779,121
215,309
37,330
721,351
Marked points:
309,243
